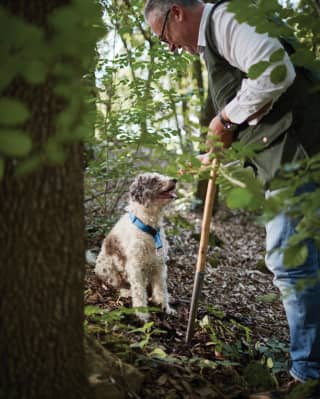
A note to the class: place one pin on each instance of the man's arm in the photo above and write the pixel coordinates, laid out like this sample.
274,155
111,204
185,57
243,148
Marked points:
243,47
217,129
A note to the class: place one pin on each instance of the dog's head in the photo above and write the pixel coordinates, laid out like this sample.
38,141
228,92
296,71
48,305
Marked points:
153,188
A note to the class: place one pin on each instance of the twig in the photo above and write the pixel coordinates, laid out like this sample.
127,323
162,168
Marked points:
231,179
94,196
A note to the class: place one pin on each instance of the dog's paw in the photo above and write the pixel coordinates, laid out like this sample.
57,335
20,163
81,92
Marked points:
170,310
157,299
124,293
143,316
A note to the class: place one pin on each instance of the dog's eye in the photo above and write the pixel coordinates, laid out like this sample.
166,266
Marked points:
153,181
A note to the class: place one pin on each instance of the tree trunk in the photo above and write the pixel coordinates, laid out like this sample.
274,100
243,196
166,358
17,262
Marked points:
41,257
41,283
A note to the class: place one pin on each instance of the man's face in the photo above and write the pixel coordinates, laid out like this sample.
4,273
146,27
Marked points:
172,28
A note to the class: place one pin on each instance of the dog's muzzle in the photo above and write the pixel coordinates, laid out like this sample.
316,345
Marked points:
169,192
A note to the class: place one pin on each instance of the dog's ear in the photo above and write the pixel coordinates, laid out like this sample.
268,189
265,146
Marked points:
140,190
136,190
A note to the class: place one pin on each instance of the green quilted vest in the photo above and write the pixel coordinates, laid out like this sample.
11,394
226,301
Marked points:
289,132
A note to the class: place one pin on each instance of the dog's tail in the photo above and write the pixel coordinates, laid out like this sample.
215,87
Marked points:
91,257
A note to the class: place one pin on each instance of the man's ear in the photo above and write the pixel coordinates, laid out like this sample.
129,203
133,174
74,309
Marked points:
178,12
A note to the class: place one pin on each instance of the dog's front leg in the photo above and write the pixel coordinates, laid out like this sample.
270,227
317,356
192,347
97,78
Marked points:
159,286
138,290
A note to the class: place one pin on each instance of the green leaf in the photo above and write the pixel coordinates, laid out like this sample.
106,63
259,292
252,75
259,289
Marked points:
269,363
144,328
295,255
205,322
28,165
92,310
206,363
140,344
35,72
216,312
277,55
257,69
14,143
159,353
56,154
12,111
278,74
238,198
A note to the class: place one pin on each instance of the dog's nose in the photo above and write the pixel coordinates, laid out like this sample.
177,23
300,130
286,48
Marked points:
174,181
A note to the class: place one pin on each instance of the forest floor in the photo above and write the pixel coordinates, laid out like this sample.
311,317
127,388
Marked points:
240,343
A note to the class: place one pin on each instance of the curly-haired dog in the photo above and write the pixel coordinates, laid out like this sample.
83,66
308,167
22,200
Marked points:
135,250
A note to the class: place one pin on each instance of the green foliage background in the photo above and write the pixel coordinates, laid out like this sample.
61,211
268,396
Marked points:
33,56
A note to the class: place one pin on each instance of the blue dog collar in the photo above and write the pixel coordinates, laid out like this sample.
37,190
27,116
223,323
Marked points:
147,229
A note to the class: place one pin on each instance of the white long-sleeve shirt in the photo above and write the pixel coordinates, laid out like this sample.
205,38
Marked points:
242,47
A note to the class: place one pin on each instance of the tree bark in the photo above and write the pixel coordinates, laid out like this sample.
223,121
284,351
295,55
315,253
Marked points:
41,256
41,283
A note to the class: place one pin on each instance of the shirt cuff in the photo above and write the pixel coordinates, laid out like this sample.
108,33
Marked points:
239,114
236,113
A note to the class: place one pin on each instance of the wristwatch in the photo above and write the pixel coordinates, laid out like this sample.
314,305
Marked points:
228,125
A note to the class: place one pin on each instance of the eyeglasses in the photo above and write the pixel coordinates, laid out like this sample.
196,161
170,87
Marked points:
161,38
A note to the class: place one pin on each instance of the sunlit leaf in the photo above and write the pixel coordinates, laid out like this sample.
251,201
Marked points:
238,198
269,363
90,310
158,352
144,328
204,322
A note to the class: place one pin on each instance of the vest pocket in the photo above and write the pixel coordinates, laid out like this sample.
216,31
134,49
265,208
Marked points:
267,131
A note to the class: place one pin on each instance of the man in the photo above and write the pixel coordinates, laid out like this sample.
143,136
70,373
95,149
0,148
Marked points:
278,116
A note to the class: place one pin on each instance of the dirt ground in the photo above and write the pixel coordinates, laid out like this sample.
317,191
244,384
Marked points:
240,344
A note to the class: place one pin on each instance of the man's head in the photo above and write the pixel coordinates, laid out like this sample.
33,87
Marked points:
175,22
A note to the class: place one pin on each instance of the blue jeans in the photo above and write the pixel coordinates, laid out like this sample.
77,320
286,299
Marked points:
302,306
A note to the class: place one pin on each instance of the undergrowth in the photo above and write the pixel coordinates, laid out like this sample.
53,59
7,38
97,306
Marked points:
230,344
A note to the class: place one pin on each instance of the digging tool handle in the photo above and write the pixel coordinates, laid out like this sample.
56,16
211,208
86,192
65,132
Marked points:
205,231
208,207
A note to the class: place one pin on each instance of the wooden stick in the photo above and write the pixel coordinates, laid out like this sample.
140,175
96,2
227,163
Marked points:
203,247
207,213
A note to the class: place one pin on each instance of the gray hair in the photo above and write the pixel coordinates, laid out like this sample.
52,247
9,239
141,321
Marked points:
162,6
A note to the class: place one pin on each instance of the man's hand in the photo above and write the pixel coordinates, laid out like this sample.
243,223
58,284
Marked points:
217,132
